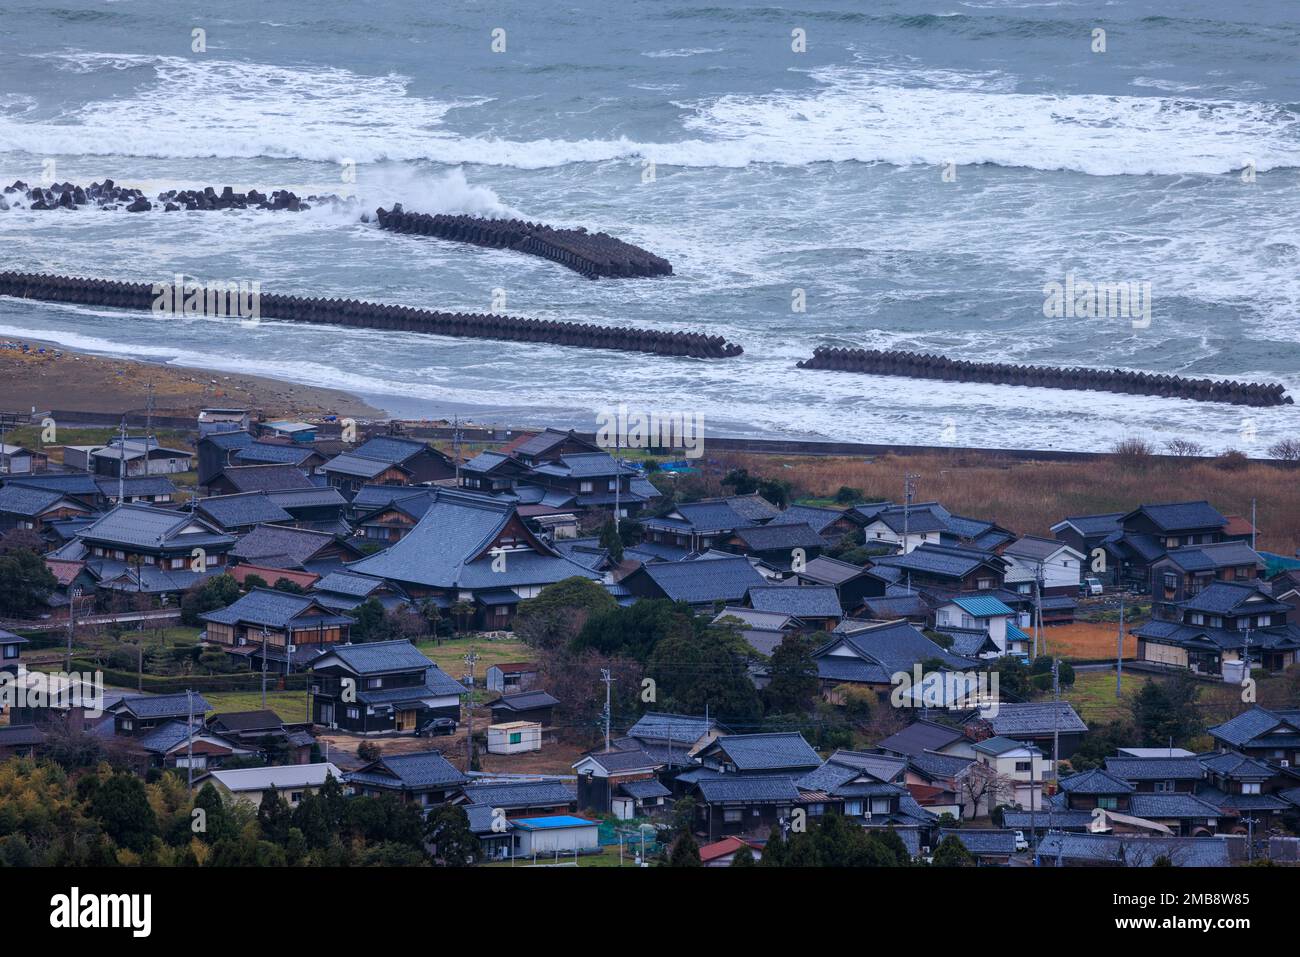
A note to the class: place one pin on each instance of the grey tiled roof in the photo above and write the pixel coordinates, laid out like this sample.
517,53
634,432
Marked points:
521,794
764,538
257,478
447,549
355,465
481,818
644,790
525,701
885,649
818,519
947,561
273,609
378,657
765,752
1096,781
165,705
1099,524
936,765
1201,558
1170,805
344,583
387,448
979,840
1175,516
1126,851
1249,725
748,788
282,545
1234,765
658,726
272,453
424,769
1042,820
806,601
1228,598
245,508
27,502
1154,769
1036,718
723,579
150,527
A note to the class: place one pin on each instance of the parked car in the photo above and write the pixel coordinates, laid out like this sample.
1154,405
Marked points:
1021,843
1092,586
437,726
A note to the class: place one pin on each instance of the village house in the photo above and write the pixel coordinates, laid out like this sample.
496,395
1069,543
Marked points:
1268,735
180,746
267,732
344,591
280,546
870,654
945,569
1241,788
290,782
1224,630
16,460
305,458
11,651
1118,850
1185,572
258,478
778,545
981,626
764,630
1056,567
516,799
35,508
277,627
241,512
990,847
816,606
381,687
696,526
624,783
830,524
536,706
1015,773
1032,722
213,421
424,778
1146,534
673,740
391,522
475,550
136,715
147,489
701,583
142,456
509,677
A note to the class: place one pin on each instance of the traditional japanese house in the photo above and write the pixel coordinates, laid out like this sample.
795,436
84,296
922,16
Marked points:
381,687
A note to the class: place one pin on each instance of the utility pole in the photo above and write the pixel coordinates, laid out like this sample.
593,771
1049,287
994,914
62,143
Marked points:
608,678
1038,603
263,667
148,425
1252,525
471,659
618,476
189,738
121,465
455,446
1119,651
73,594
909,489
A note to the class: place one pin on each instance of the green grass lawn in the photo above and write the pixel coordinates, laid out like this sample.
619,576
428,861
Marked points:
291,706
450,655
1093,695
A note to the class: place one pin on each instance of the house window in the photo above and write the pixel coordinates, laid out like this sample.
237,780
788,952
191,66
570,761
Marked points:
11,651
516,737
353,714
853,808
1250,787
295,797
733,815
880,805
1164,785
374,682
984,583
1171,582
584,486
1198,618
1108,803
1024,767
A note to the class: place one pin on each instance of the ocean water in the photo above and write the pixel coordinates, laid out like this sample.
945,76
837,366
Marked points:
773,171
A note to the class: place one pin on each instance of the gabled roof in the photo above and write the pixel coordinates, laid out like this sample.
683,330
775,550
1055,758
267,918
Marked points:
273,609
752,506
947,561
1201,558
881,651
144,526
412,771
921,736
1233,765
773,537
525,701
272,453
258,478
30,502
244,508
831,571
1176,516
806,601
1035,718
349,463
1245,728
658,726
982,840
723,579
981,606
163,705
817,518
1232,598
447,548
998,745
246,720
766,752
1170,805
281,776
1101,524
704,516
615,761
1154,769
521,794
346,583
1032,548
282,545
377,657
748,788
394,450
1096,781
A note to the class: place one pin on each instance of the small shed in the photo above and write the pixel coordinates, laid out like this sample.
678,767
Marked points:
512,676
548,835
525,706
514,737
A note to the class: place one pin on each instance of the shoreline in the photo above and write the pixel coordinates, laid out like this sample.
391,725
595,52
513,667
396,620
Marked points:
61,378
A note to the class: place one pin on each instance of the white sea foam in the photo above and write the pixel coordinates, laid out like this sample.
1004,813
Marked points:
223,108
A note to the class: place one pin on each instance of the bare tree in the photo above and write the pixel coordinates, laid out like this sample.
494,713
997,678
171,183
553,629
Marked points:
982,784
1287,450
1185,448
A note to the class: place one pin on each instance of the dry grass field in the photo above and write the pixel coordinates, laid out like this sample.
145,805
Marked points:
1029,497
1088,641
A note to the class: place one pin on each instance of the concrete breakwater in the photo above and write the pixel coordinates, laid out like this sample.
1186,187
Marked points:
923,366
594,255
369,315
108,195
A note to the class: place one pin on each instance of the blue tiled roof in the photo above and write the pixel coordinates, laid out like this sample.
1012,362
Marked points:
387,448
982,606
677,727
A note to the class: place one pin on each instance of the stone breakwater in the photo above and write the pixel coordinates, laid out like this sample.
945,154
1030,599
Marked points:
108,195
922,366
593,255
358,314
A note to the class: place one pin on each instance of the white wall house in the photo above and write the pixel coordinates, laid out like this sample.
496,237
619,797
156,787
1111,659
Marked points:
1062,566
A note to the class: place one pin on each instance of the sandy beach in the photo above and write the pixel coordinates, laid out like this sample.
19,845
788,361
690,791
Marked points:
60,379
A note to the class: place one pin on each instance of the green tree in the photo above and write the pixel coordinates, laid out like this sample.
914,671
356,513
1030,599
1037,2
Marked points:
952,853
685,853
559,612
611,539
1166,711
216,592
289,586
703,664
25,583
122,807
370,624
743,858
452,843
793,684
